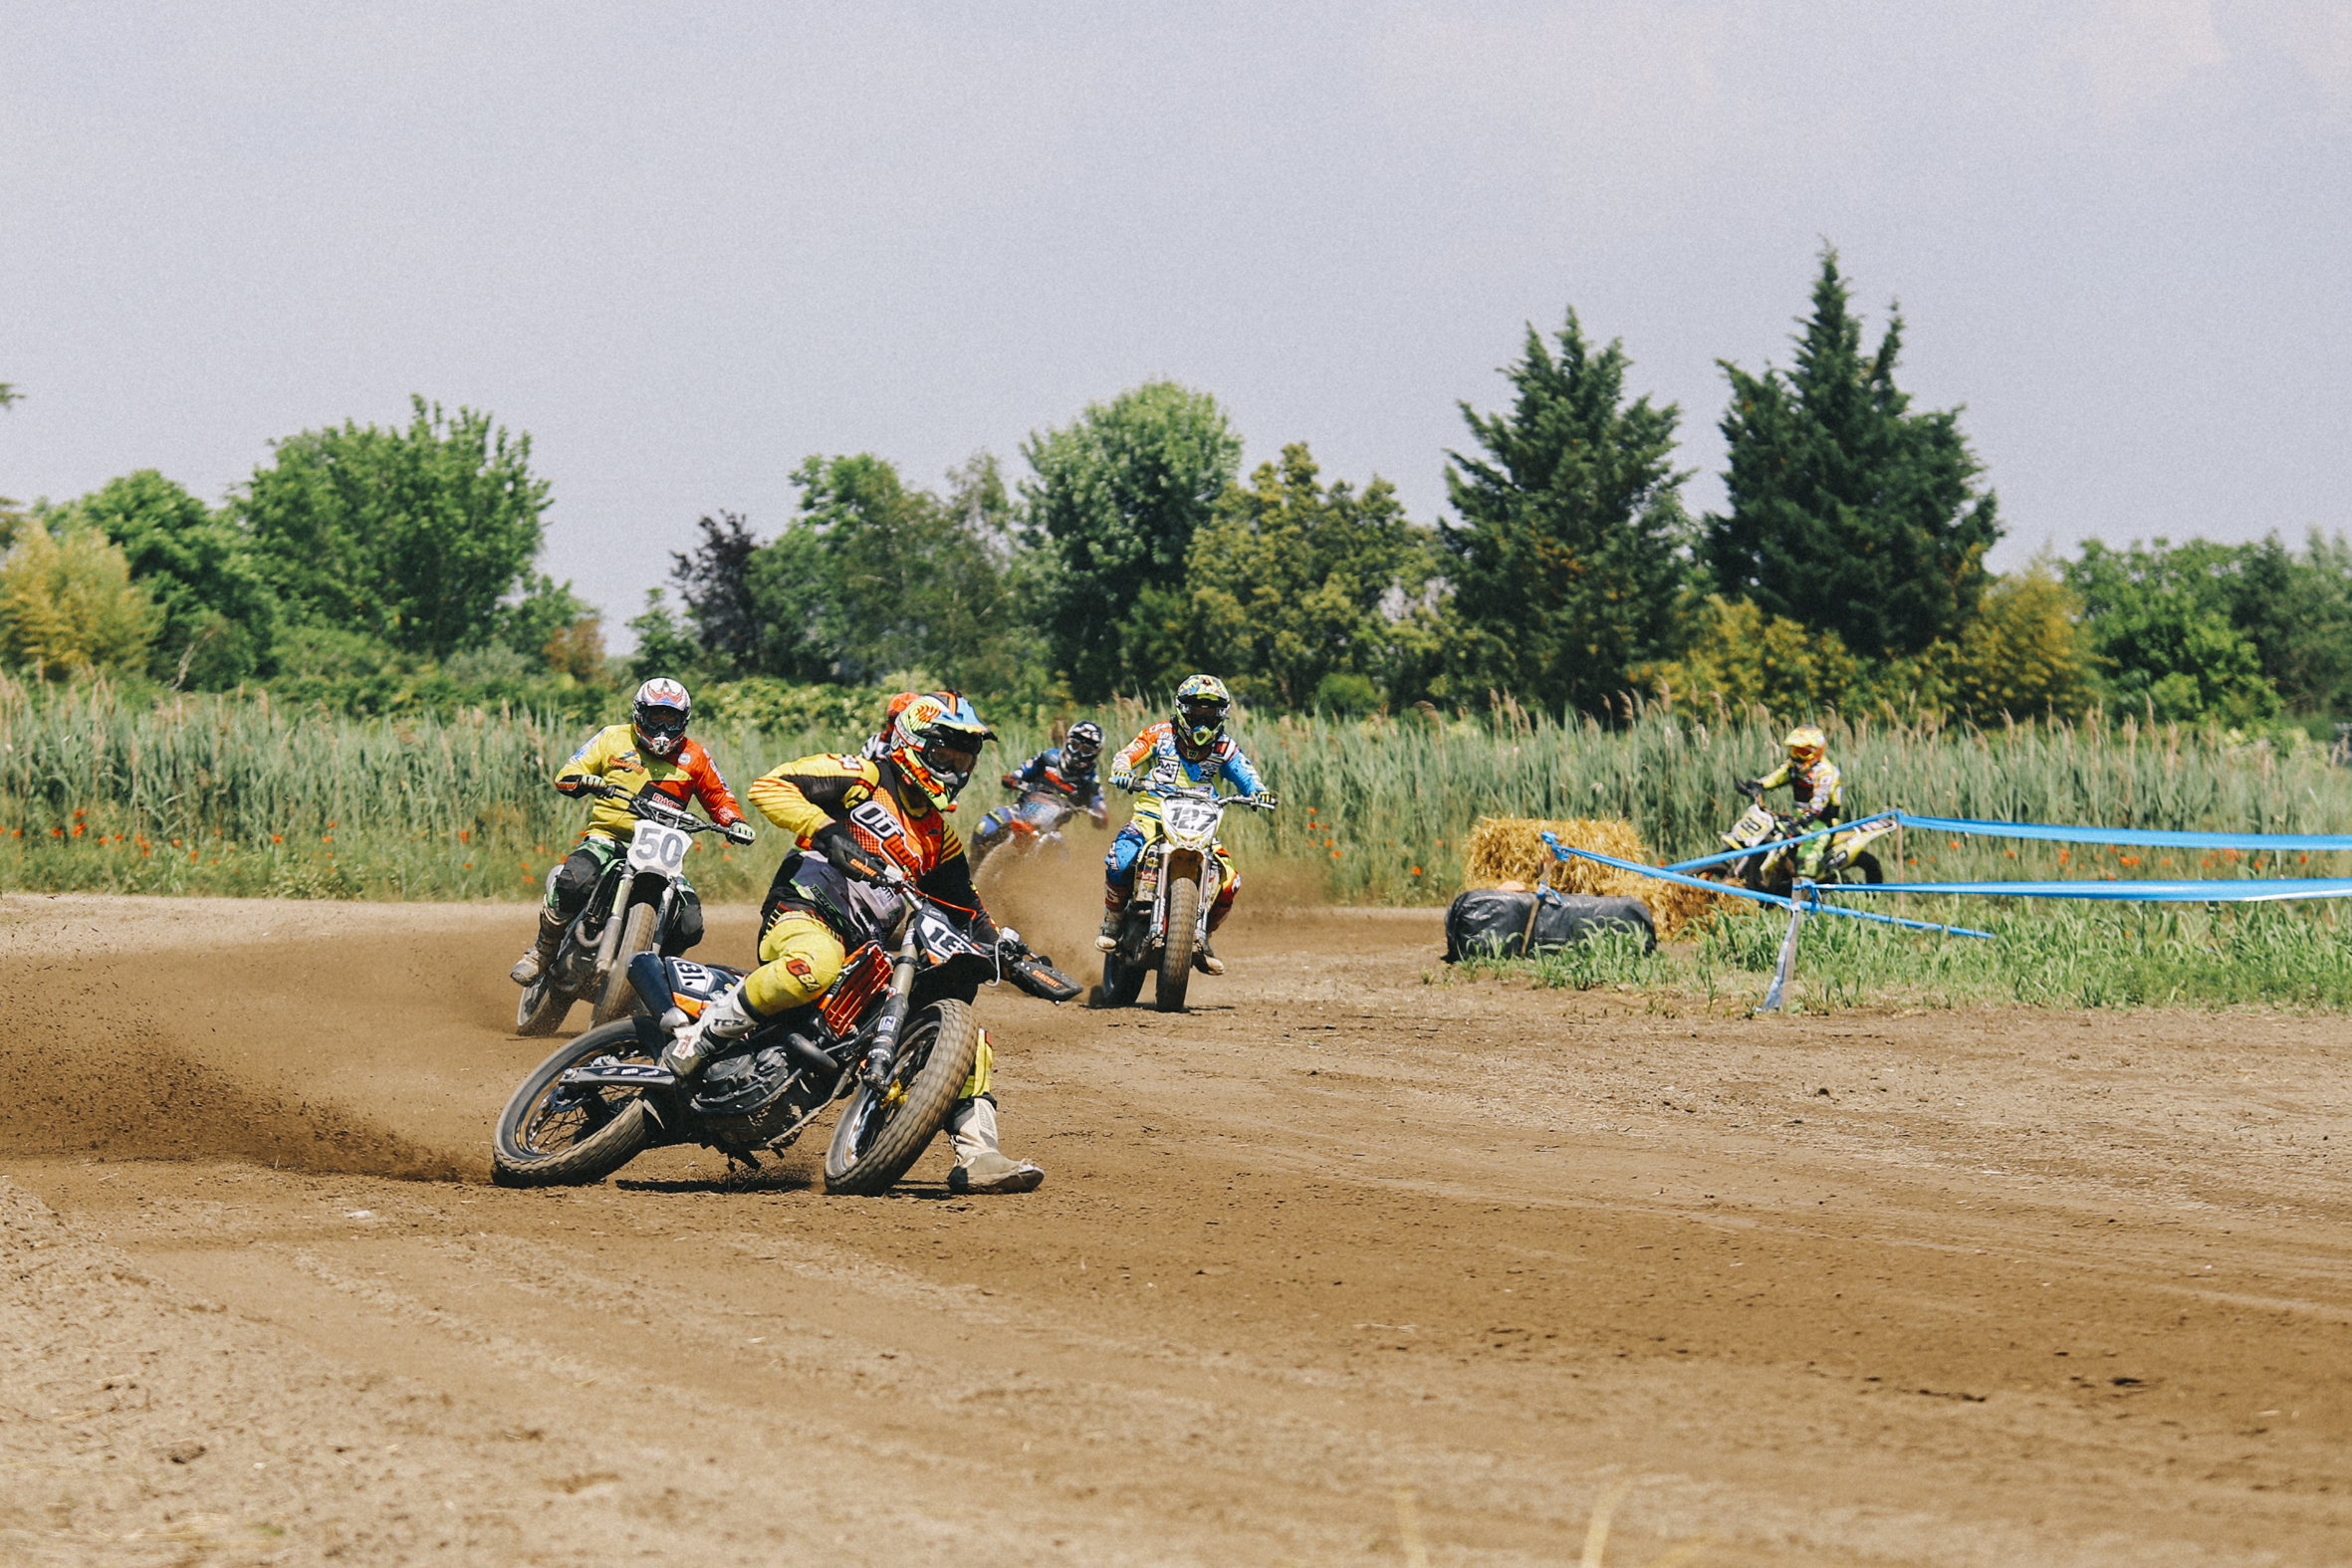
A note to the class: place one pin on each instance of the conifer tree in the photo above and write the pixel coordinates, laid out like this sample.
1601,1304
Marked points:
1849,511
1567,561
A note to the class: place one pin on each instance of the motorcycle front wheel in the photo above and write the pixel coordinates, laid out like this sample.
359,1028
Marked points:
882,1135
1184,919
553,1135
618,998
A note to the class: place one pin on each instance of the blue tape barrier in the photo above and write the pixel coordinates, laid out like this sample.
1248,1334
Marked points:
1812,905
1771,844
2128,837
2213,890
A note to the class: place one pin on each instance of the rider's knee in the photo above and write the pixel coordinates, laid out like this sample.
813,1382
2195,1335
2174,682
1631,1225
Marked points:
800,957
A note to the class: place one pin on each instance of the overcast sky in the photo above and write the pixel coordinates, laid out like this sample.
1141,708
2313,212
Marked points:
685,246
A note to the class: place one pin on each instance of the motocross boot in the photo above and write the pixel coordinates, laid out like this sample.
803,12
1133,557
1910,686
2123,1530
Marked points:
1205,961
982,1166
723,1020
533,964
1107,939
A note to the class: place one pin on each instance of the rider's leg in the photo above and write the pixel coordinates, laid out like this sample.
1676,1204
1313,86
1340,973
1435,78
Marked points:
566,891
798,958
981,1166
685,931
1118,882
1229,882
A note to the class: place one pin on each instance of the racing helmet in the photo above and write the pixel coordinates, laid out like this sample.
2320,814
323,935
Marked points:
1807,744
1081,745
659,716
935,739
877,746
1201,705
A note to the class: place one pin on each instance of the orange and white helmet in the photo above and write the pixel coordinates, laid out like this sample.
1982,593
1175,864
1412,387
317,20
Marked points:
935,739
1807,744
659,716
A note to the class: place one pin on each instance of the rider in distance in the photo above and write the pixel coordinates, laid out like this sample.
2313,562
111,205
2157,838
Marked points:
1188,748
650,751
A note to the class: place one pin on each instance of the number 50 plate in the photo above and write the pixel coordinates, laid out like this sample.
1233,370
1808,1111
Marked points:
658,849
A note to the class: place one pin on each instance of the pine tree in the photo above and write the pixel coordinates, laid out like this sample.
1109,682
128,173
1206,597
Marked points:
1849,511
1567,561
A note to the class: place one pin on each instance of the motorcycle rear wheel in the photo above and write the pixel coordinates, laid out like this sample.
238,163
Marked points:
547,1137
1184,919
618,998
1123,982
879,1140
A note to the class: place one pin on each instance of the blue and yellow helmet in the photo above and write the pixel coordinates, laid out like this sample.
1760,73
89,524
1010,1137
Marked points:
1201,705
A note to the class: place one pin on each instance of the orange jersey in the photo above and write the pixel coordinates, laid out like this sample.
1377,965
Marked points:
612,754
802,796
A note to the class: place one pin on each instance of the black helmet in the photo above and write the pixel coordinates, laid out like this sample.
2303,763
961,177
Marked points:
1082,744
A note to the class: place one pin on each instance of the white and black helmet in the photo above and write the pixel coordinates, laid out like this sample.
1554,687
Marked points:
1082,744
659,716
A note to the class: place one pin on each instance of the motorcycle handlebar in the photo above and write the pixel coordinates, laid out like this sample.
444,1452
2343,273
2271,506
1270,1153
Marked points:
655,809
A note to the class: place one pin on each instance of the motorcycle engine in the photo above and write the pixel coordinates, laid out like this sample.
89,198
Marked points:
750,1100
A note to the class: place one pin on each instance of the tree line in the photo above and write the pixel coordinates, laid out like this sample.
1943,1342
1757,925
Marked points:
375,568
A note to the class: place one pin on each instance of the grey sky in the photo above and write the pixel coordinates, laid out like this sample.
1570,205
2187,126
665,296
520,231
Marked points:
685,246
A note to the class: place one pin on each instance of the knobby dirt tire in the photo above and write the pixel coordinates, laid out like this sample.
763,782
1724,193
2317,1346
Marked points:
1122,983
1867,864
618,998
1184,919
947,1040
609,1135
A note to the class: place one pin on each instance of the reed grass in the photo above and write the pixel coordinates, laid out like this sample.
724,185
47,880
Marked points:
231,795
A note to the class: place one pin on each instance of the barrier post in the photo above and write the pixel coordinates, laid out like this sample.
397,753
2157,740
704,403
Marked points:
1799,896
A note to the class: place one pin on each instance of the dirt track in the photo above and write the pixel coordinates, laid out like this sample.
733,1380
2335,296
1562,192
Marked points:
1978,1288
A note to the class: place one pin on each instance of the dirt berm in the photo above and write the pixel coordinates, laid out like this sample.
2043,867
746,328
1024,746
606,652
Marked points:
1352,1264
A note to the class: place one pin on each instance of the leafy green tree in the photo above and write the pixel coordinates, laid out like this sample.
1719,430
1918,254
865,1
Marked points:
220,617
1849,511
870,576
67,606
2025,655
1119,493
409,536
2159,623
2297,612
1743,658
1567,560
1288,581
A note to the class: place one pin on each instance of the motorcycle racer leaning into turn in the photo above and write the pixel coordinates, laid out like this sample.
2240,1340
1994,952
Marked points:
1818,789
854,816
650,751
1189,747
1068,769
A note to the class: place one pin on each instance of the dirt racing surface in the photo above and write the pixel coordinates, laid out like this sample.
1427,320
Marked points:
1347,1266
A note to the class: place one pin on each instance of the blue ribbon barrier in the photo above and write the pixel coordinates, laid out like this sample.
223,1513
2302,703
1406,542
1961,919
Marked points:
2211,890
1811,903
2130,837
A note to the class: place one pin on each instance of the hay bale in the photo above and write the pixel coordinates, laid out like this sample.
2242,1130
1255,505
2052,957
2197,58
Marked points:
1511,849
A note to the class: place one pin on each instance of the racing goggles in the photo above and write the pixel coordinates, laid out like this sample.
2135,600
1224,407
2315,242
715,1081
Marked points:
950,759
662,728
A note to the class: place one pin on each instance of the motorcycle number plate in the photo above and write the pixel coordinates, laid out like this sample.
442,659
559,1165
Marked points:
658,849
1190,820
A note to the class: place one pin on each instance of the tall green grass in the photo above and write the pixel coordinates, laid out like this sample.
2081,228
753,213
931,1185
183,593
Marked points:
247,795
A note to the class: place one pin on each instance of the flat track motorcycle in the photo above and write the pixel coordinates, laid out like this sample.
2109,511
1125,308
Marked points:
1167,918
893,1036
628,913
1773,866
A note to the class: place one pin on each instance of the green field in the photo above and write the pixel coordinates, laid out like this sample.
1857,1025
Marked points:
244,797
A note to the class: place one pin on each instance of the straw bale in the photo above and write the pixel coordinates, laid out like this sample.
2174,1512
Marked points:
1506,850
